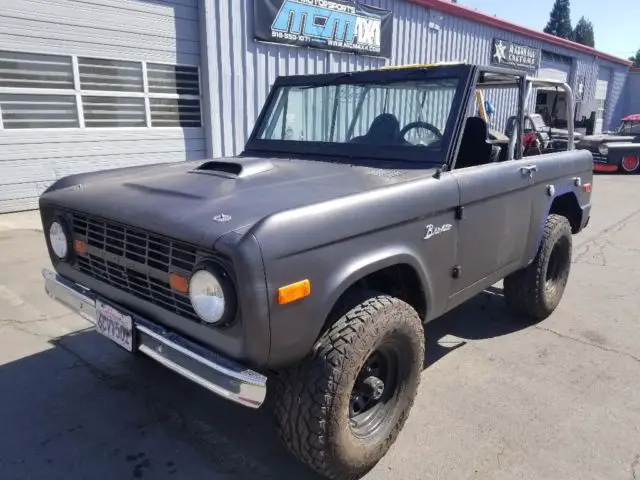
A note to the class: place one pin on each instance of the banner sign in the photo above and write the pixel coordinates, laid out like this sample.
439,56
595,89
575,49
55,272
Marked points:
340,25
508,54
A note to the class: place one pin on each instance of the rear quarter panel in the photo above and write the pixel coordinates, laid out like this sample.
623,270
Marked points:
558,174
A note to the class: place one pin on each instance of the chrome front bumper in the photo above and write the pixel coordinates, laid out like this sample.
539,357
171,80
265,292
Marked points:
205,367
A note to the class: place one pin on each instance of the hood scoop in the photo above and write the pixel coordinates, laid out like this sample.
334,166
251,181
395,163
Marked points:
242,168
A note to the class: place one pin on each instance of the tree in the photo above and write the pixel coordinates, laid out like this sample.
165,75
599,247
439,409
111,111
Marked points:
584,33
560,20
635,59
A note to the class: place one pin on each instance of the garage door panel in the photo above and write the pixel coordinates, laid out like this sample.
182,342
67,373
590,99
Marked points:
30,137
48,168
103,19
18,204
26,28
97,148
156,31
602,86
554,74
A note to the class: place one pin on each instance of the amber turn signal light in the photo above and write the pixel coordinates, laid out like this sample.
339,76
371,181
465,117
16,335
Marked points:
179,283
293,292
80,247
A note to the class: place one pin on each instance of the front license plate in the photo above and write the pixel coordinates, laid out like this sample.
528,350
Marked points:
115,325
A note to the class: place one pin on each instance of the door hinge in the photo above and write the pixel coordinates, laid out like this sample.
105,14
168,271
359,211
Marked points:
459,213
456,271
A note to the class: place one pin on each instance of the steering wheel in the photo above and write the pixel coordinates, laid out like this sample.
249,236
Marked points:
419,124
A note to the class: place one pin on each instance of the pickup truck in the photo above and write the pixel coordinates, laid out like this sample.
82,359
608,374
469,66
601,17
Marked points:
364,205
618,150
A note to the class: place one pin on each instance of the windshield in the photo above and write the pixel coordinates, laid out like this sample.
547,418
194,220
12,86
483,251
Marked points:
628,128
406,114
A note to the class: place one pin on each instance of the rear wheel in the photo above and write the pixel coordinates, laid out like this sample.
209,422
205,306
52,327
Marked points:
630,164
343,407
536,290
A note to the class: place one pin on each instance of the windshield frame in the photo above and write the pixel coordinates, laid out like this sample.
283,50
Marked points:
463,74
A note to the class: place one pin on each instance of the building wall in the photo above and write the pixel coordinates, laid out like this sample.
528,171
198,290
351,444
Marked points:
616,101
242,70
631,96
162,31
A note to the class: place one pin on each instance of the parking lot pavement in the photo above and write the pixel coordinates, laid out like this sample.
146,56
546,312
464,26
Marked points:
498,399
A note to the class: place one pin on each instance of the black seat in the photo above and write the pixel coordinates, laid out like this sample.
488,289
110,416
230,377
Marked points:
474,148
384,130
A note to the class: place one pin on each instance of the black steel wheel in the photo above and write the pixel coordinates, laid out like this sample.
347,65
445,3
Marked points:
344,406
372,397
536,290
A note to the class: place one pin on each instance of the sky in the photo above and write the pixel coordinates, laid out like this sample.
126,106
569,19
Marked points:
615,22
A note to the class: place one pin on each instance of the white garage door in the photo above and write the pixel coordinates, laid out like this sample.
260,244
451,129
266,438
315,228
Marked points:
555,67
602,89
93,85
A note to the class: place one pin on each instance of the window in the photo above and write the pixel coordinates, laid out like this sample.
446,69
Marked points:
406,113
173,112
26,70
113,112
174,95
110,75
556,58
42,91
38,111
171,79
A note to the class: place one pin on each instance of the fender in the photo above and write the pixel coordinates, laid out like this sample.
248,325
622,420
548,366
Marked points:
359,268
539,225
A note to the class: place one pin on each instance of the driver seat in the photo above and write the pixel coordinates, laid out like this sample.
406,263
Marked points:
384,130
474,147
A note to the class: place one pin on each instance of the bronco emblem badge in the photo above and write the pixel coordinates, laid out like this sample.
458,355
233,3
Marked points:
222,218
433,231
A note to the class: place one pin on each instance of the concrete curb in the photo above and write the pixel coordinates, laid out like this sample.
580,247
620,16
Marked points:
21,221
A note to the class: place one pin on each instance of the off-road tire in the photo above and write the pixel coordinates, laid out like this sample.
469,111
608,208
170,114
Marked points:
529,292
311,401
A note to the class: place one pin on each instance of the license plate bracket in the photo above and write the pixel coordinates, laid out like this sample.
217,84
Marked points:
115,325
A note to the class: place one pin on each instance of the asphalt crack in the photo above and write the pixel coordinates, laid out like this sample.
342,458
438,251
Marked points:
585,247
589,344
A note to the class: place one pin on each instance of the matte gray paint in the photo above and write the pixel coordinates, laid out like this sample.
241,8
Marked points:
330,223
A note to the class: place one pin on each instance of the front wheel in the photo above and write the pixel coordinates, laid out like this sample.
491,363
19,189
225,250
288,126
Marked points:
536,290
343,407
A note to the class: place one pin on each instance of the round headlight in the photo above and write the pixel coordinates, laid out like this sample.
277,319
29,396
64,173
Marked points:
207,296
58,240
604,149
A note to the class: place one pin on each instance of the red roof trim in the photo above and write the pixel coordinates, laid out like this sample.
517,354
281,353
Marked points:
446,6
632,118
635,69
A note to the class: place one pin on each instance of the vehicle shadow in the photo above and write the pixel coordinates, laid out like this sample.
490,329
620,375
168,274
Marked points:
84,409
482,317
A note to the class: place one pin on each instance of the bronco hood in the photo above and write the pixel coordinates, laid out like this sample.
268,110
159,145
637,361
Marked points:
197,202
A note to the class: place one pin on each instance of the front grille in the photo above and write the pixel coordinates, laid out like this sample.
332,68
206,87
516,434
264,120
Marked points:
135,261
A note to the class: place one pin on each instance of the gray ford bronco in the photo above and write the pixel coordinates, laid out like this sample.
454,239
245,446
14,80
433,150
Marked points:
364,205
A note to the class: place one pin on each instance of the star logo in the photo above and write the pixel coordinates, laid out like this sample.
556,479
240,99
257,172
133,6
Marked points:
501,52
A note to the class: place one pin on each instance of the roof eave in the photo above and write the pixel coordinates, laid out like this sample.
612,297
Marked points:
469,14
